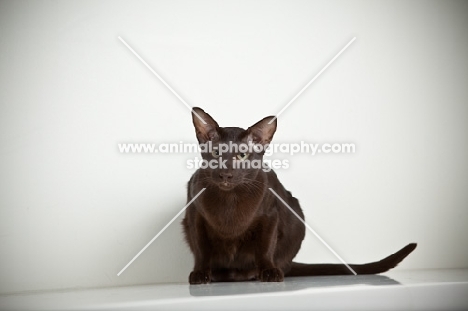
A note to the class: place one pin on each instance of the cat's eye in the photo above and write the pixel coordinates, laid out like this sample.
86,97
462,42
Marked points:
215,153
242,156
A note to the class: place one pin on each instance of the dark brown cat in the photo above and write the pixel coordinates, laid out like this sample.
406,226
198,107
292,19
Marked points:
237,229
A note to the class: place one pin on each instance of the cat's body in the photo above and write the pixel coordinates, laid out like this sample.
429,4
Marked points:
237,229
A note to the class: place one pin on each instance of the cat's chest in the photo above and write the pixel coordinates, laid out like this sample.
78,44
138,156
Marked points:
230,218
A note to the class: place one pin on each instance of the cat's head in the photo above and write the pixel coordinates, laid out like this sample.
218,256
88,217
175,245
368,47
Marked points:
235,155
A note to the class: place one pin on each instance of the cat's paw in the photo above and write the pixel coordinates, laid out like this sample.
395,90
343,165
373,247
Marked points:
271,275
199,277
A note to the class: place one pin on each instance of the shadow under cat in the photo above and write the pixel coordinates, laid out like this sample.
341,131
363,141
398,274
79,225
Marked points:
290,284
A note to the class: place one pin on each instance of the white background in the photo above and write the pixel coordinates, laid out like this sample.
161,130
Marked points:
74,211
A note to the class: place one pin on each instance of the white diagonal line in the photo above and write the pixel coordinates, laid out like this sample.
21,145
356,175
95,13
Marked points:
313,79
162,230
313,231
160,79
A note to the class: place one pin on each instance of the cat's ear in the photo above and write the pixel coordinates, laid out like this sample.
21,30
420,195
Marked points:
262,132
206,127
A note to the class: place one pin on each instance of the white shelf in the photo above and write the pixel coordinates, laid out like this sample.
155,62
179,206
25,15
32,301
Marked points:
398,290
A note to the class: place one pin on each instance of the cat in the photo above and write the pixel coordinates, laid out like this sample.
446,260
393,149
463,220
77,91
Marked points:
237,229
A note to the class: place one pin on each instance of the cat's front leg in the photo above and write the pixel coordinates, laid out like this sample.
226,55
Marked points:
266,245
201,273
200,277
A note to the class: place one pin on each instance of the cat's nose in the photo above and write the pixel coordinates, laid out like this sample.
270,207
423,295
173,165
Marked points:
225,176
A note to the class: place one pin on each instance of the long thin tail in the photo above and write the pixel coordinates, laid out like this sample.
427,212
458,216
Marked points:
301,269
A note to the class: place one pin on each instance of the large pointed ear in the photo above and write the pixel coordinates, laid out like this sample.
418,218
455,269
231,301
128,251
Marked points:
262,132
206,127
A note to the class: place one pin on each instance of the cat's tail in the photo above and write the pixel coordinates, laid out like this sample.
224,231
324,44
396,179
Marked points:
301,269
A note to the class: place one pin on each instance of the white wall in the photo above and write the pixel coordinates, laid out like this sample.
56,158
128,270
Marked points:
74,211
